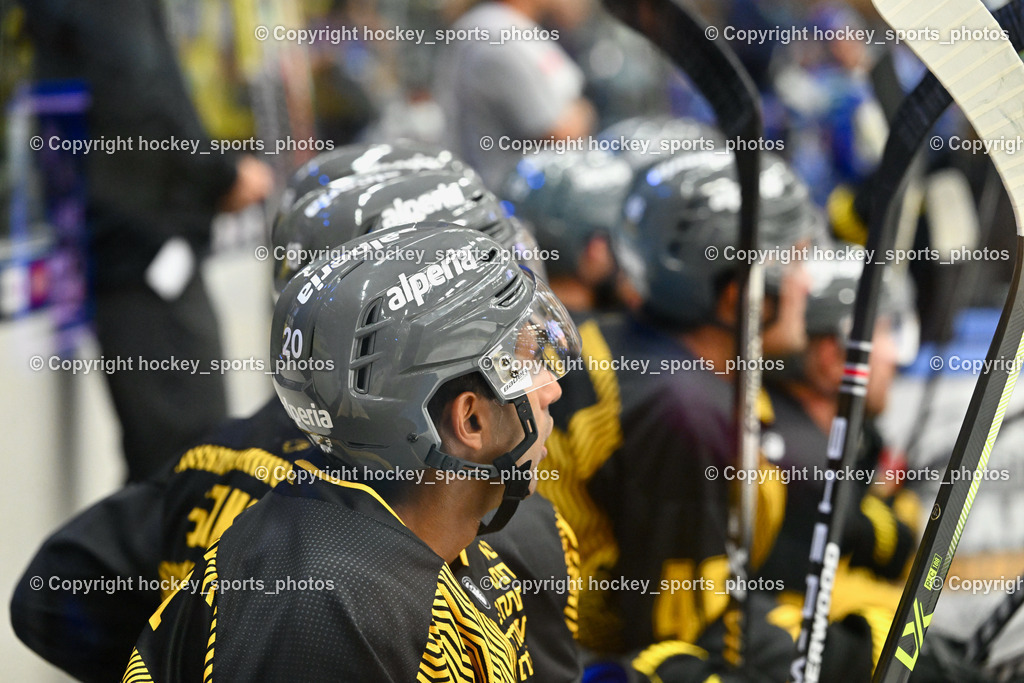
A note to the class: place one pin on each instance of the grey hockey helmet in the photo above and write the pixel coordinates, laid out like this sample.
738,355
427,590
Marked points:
833,293
351,207
662,135
681,228
361,342
568,199
402,156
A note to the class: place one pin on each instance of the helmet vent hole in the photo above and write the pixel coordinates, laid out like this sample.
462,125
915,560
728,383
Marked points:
511,292
362,363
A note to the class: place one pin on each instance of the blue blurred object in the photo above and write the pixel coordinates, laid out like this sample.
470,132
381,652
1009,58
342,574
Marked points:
972,335
605,672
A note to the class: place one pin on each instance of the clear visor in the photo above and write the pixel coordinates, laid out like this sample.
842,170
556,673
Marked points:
539,350
525,249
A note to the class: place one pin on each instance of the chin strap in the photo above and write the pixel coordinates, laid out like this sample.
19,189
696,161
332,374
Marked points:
503,470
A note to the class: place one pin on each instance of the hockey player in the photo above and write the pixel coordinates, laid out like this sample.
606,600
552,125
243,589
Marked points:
643,439
880,536
433,397
573,201
158,530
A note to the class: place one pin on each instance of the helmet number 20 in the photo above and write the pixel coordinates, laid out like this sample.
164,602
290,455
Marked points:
292,346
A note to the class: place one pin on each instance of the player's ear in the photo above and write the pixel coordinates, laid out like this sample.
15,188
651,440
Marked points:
727,302
468,421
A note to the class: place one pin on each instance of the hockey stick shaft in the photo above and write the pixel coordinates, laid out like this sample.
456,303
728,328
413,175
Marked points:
721,78
986,78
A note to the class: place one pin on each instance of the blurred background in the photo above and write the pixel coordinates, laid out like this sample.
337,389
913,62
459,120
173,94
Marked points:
825,101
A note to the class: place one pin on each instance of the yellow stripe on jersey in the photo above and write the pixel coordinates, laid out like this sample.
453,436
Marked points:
765,411
771,512
320,474
210,575
593,434
648,661
208,662
172,575
256,462
883,521
464,645
137,671
570,547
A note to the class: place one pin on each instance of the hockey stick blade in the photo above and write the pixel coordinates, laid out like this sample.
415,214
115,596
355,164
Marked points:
722,80
986,78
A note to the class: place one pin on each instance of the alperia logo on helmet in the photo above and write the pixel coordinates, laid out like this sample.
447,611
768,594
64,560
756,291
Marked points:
318,277
370,161
412,288
402,211
342,186
310,417
596,179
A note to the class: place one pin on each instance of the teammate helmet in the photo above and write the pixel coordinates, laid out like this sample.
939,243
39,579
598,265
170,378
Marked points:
402,156
682,225
348,208
569,199
833,293
360,343
663,135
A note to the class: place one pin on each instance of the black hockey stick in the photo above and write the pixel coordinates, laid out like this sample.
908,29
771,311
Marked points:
911,123
1011,669
986,78
979,646
722,80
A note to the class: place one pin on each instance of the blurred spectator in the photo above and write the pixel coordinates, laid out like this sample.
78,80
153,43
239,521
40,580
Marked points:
625,75
344,107
150,212
497,90
838,129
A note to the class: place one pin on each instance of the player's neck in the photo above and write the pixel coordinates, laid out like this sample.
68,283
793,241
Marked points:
446,516
821,408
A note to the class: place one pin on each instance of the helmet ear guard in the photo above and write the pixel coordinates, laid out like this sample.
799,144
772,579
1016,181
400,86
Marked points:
503,470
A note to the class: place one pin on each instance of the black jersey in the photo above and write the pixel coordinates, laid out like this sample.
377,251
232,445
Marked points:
879,539
134,548
321,581
641,454
875,538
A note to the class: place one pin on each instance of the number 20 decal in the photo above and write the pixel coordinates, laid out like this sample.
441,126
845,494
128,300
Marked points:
292,346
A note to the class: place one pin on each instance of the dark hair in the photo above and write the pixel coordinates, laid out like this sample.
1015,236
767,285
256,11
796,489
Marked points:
447,392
